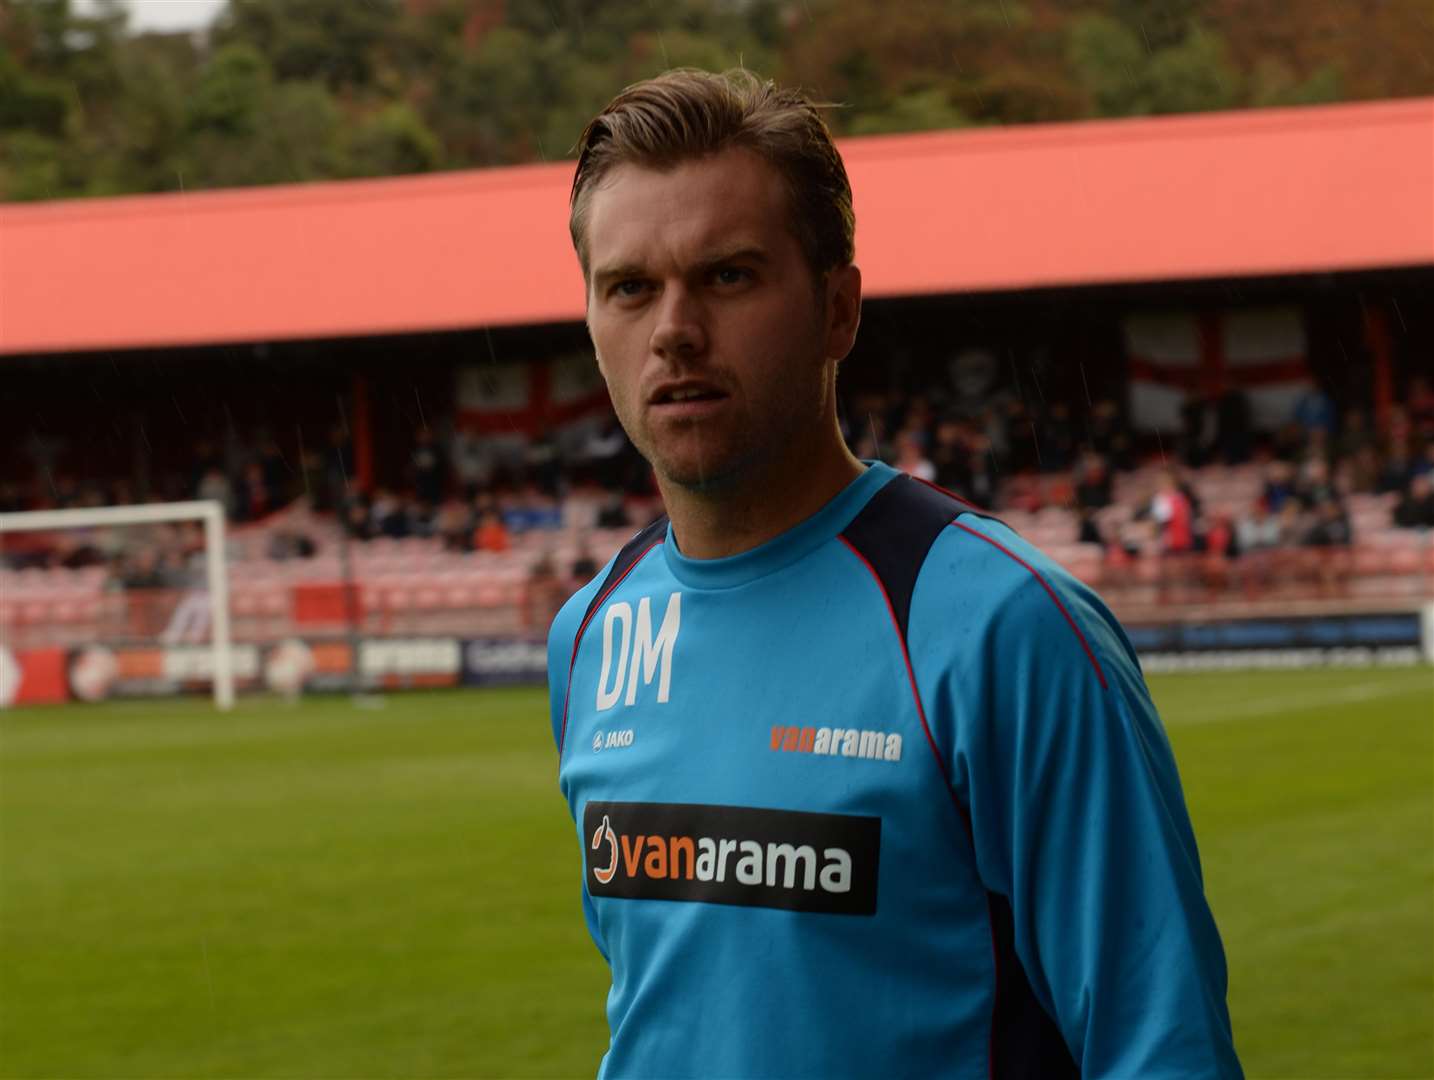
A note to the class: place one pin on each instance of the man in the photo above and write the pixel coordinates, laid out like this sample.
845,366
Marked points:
865,786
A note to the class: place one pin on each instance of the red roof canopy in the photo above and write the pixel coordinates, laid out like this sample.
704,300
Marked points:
1278,191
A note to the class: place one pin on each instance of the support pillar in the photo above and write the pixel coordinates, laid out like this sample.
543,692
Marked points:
362,434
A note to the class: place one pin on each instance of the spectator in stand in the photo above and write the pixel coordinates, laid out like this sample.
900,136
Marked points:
542,465
1196,436
430,470
474,462
1187,488
603,453
338,464
1016,445
585,566
1110,435
253,499
490,534
1087,528
1354,435
1174,515
1331,525
916,423
311,475
1315,411
1313,486
215,485
1415,508
1279,485
206,459
143,569
530,509
1420,406
285,544
422,518
911,460
1233,432
544,510
451,525
1424,463
1092,482
1331,535
1219,548
982,483
358,517
1259,534
1058,438
545,593
1258,530
389,515
274,469
613,514
950,454
1398,469
1359,473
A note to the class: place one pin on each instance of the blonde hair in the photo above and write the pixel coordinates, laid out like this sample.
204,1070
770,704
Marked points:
686,114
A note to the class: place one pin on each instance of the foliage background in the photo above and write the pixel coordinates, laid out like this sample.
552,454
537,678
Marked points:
281,91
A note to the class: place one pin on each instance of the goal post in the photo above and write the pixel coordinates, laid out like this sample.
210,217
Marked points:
209,513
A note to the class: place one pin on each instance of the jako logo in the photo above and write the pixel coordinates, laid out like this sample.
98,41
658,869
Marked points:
635,640
844,742
753,857
613,740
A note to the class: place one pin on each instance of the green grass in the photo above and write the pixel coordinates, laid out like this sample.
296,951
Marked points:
323,891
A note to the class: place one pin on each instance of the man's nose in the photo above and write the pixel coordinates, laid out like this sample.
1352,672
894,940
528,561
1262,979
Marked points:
680,330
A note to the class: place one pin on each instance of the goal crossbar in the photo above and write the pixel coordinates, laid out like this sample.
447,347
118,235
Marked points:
208,511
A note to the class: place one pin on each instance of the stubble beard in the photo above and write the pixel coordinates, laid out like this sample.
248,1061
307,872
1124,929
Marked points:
747,448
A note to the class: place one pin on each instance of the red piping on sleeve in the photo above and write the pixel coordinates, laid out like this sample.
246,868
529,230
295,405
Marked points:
577,640
911,677
967,503
1090,655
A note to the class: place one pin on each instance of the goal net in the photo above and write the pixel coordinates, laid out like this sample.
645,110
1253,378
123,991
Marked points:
114,599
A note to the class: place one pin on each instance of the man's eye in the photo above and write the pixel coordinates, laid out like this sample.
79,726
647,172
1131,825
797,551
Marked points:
629,287
731,275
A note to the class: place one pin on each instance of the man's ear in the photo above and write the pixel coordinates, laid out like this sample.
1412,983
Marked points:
843,288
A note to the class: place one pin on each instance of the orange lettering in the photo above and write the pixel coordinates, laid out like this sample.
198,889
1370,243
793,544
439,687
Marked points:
777,730
656,862
809,738
790,742
678,845
630,854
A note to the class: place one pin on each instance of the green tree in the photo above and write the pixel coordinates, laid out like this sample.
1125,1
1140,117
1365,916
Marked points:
286,90
1110,63
918,110
1193,75
232,93
392,141
335,42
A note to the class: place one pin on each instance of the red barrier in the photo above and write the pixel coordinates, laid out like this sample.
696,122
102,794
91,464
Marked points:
43,678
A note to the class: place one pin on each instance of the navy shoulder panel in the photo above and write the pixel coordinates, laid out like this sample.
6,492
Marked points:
894,532
626,559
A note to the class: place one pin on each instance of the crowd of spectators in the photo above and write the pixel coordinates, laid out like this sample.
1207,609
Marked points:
477,493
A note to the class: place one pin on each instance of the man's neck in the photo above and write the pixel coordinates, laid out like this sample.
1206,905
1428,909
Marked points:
763,505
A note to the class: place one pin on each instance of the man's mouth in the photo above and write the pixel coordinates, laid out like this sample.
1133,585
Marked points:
686,398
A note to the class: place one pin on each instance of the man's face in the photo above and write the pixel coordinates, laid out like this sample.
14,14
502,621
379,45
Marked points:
716,342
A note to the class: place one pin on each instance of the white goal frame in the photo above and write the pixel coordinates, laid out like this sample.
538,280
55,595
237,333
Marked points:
210,513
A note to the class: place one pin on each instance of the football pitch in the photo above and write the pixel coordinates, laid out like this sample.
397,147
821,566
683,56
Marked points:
327,891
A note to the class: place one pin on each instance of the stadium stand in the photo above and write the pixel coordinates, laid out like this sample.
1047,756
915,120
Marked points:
1306,520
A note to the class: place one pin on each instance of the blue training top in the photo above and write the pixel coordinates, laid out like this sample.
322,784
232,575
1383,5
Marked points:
885,796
